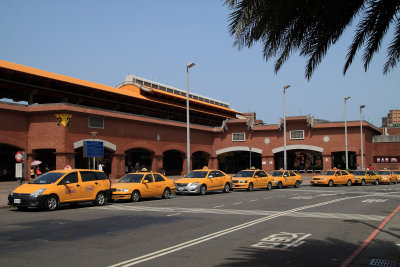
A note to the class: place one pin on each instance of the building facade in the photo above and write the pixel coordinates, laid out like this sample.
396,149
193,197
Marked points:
142,121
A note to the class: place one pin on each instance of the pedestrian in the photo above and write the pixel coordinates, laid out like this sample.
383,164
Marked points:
32,172
101,167
371,168
137,167
358,167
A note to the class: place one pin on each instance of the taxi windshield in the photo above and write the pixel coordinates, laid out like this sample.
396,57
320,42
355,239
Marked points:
244,174
47,178
328,173
197,174
131,178
276,173
396,172
359,173
383,172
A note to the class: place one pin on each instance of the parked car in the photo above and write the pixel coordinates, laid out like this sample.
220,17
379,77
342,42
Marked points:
286,178
364,177
59,187
252,178
333,177
204,180
397,173
144,184
387,177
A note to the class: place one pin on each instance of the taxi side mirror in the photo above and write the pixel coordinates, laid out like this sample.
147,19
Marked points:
211,176
256,176
145,181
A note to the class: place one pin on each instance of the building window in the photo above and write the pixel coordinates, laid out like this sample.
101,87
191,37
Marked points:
96,122
297,134
238,137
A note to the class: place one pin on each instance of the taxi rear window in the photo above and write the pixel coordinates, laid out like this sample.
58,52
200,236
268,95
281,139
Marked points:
200,174
48,178
101,176
244,174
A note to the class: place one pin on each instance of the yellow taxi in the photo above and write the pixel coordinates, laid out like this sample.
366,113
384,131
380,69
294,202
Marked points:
144,184
333,177
203,180
60,187
397,173
283,178
363,177
250,179
387,177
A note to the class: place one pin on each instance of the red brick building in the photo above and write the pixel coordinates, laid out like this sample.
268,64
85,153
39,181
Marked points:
144,121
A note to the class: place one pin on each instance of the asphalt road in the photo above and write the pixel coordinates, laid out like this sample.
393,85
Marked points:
307,226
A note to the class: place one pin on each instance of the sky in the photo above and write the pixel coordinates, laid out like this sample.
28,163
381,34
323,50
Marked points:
103,41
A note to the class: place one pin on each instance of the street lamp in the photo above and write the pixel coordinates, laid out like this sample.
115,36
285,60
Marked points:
284,127
362,152
188,66
345,133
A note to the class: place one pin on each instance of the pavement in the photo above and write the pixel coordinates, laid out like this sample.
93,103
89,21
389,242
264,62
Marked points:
376,249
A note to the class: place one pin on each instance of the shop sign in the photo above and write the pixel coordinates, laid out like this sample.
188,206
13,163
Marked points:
93,149
19,156
387,159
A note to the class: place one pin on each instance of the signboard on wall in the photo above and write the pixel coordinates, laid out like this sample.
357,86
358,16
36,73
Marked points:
93,149
387,159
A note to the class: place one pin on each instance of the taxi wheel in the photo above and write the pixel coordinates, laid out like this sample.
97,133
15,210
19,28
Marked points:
279,186
269,186
227,188
330,183
250,188
203,189
51,203
348,183
100,199
166,194
297,184
135,196
376,182
362,182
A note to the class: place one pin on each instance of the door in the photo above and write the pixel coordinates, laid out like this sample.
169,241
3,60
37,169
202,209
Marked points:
90,185
69,188
149,187
160,184
261,178
215,180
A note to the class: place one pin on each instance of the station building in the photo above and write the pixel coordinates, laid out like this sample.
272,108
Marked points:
50,116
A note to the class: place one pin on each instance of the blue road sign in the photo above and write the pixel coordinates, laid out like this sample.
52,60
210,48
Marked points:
93,149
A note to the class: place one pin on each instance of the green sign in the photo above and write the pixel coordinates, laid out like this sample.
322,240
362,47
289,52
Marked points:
396,125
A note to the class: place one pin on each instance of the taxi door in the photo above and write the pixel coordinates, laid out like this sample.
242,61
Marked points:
370,177
286,178
89,185
69,188
338,177
261,178
215,180
160,184
149,187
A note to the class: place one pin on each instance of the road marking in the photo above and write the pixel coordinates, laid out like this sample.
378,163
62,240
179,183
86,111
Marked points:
369,239
169,215
374,200
267,197
214,235
282,241
174,210
252,200
237,203
219,206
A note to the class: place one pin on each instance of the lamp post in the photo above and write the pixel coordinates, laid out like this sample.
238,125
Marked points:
345,133
284,127
362,152
188,66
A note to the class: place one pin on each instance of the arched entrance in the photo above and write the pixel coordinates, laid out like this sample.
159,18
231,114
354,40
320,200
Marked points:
82,162
199,160
138,155
47,157
7,162
299,157
234,159
339,160
173,162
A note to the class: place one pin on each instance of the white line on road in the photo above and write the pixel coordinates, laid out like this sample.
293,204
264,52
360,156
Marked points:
253,200
205,238
216,207
169,215
237,203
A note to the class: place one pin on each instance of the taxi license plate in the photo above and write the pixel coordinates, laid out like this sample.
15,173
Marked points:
315,182
17,201
180,188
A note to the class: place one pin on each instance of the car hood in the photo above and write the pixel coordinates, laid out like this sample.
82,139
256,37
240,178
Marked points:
29,188
190,180
124,185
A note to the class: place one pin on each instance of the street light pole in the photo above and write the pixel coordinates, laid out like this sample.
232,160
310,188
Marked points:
284,127
362,152
188,66
345,133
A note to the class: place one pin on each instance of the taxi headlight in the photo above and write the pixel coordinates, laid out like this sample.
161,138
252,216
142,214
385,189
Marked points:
243,181
323,179
123,189
38,192
194,184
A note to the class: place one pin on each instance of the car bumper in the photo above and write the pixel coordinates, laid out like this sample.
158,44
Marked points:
26,200
318,182
240,186
116,196
187,189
